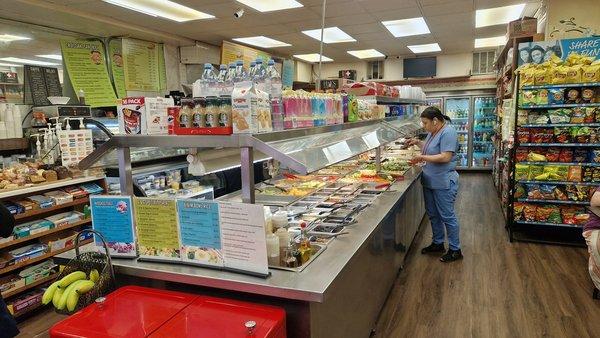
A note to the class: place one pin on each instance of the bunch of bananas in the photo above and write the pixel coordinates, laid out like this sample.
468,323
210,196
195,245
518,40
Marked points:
65,292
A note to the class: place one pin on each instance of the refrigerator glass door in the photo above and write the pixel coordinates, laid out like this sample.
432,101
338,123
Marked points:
458,109
484,121
434,102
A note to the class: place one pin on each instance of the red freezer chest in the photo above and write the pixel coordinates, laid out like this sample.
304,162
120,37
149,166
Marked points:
209,317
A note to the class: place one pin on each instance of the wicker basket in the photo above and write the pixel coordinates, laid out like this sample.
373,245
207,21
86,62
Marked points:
86,262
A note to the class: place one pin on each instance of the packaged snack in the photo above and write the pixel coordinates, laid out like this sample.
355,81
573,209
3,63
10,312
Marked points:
559,75
536,135
529,98
535,157
589,114
521,154
245,108
587,174
595,155
590,73
555,216
560,193
578,59
581,217
542,97
581,134
588,95
562,135
577,193
594,135
521,171
577,115
596,113
518,211
541,76
523,135
527,76
519,191
535,170
566,155
552,173
575,174
556,96
529,212
573,95
522,117
547,191
568,214
534,192
543,212
580,155
537,118
596,174
573,74
559,115
553,154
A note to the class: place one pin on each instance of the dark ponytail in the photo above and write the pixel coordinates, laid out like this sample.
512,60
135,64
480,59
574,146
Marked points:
433,112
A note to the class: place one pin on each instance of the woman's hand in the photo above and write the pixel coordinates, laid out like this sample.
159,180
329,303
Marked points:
413,142
418,159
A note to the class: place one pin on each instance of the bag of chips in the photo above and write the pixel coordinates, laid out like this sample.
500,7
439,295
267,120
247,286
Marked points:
580,155
554,216
560,193
568,214
547,191
589,114
542,97
566,155
537,118
521,154
556,96
590,73
588,95
522,117
577,193
553,154
559,115
547,135
581,134
595,155
535,171
535,157
596,174
587,174
577,115
520,191
581,217
518,211
529,212
529,98
527,76
522,171
575,174
575,58
523,135
553,173
573,74
562,135
541,76
543,213
534,192
559,75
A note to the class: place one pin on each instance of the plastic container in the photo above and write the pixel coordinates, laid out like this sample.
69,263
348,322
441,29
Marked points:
280,219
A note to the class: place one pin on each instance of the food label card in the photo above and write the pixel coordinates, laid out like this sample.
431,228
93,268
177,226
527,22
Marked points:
157,231
199,232
112,216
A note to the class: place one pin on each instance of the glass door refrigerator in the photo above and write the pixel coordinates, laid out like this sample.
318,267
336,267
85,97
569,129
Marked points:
459,110
482,126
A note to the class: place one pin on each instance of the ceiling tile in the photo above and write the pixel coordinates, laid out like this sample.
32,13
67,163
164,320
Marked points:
339,10
448,8
358,19
364,28
407,13
386,5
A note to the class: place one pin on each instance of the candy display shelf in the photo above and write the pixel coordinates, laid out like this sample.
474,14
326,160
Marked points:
79,201
558,182
548,224
30,286
530,200
44,233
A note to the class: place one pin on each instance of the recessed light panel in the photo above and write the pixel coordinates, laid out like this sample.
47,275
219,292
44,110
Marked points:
271,5
330,35
407,27
498,15
366,53
163,8
490,42
51,56
427,48
28,62
312,58
9,65
10,38
262,41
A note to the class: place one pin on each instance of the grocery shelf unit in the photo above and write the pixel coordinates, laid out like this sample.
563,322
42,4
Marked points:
542,231
41,237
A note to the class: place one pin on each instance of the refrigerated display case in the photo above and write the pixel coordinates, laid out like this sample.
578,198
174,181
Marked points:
459,110
484,121
437,102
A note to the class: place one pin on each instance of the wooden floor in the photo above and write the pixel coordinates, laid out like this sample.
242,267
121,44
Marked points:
500,289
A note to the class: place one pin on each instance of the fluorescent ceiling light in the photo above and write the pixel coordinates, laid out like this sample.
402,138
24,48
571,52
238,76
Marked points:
498,15
51,56
9,65
271,5
312,57
407,27
262,41
330,35
28,62
10,37
163,8
366,53
490,42
430,47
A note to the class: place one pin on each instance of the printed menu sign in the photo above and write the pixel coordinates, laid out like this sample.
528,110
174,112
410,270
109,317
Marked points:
231,52
243,237
52,81
157,231
141,65
162,68
116,65
112,216
35,86
199,232
86,68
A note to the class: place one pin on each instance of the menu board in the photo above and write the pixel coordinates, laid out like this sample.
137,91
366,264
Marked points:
141,65
157,231
9,77
86,69
35,86
112,216
199,231
162,68
53,87
243,237
231,52
116,66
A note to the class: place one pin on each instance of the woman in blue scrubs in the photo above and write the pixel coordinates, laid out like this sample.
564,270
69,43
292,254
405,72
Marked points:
440,182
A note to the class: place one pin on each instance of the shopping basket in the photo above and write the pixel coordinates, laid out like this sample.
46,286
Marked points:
86,262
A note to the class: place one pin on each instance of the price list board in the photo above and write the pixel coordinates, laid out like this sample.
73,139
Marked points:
157,230
200,232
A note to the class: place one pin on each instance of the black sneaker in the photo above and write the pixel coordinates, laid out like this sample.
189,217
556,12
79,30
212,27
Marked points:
451,256
433,248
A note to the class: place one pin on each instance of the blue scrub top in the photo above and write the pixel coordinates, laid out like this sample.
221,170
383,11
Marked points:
439,175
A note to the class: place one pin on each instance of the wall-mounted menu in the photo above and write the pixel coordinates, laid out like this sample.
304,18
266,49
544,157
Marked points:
35,86
116,58
231,52
53,87
141,62
112,216
157,230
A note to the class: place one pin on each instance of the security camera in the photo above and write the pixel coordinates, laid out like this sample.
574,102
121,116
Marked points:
239,13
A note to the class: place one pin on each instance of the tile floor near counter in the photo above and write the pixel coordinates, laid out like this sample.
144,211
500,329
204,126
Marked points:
500,289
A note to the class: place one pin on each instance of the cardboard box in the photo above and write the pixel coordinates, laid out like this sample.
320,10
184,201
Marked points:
522,27
143,115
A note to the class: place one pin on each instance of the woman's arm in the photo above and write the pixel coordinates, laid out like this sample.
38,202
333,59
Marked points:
595,202
415,142
444,157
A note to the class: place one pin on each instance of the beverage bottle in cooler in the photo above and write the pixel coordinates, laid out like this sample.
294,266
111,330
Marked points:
260,76
221,77
276,96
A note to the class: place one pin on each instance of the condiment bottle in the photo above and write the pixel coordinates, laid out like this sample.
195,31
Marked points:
284,240
289,258
280,219
273,249
305,250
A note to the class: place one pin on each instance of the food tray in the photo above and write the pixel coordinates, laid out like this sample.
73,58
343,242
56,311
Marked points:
275,200
317,250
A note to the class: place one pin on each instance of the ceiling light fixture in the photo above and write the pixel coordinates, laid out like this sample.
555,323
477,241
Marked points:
262,41
10,38
426,48
366,53
490,42
407,27
27,61
330,35
498,15
51,56
271,5
9,65
313,58
162,8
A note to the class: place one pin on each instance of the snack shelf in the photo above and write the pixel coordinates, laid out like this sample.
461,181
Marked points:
560,125
564,85
530,200
39,258
29,286
566,105
548,224
559,182
29,309
559,144
79,201
45,233
585,164
48,186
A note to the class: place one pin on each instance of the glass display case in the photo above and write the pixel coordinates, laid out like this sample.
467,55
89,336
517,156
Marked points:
459,110
484,121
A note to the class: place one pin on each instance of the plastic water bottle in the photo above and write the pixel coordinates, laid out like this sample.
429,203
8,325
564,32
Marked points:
230,79
221,90
206,85
240,74
260,76
275,90
251,70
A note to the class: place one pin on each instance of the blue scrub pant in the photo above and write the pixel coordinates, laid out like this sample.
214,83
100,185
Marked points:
439,204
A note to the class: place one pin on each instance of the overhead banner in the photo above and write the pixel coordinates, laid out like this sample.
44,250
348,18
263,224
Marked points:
86,68
141,65
538,52
116,64
231,52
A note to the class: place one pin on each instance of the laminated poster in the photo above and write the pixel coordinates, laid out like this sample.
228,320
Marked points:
231,52
199,232
86,67
157,231
112,216
116,65
141,62
243,237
